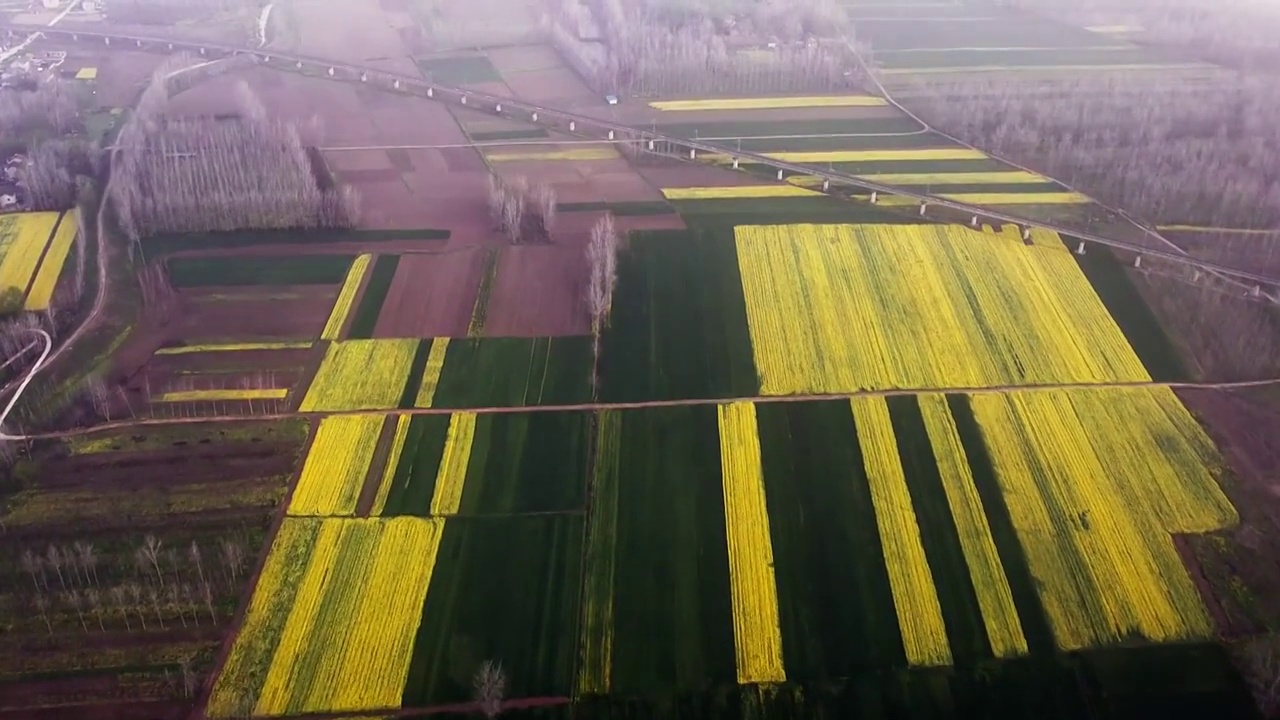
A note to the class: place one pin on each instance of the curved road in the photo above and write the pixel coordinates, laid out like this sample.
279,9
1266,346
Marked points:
31,373
578,123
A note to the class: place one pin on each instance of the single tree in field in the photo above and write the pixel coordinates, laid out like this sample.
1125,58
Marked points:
54,557
194,554
174,598
490,685
135,594
189,600
94,599
88,556
206,594
42,605
233,558
602,261
33,565
151,551
153,595
73,599
121,600
190,681
171,556
72,561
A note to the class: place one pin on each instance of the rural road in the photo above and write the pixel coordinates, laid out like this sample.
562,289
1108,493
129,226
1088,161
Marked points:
31,373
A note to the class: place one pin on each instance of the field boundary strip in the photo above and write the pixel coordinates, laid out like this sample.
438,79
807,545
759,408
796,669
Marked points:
769,103
638,405
234,347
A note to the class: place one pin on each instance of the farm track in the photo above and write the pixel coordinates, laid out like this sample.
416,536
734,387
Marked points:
640,405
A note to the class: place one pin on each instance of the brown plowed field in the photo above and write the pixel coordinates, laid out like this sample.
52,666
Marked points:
431,296
236,314
538,292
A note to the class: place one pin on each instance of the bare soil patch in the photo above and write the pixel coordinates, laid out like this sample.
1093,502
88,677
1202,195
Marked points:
251,314
431,295
538,292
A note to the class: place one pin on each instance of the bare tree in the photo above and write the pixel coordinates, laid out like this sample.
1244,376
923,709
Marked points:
602,262
150,551
193,553
76,602
88,556
153,596
490,685
135,594
119,597
94,600
42,606
206,594
33,565
174,596
232,558
54,557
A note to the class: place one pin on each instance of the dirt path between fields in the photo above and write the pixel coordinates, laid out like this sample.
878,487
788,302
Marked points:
496,410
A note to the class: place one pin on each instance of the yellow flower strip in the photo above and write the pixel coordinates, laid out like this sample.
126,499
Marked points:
593,153
23,252
336,465
768,103
269,608
393,460
228,394
366,668
1049,198
1105,568
431,373
452,475
51,267
299,628
361,375
924,634
826,156
737,192
837,308
995,599
756,630
234,347
346,296
1021,177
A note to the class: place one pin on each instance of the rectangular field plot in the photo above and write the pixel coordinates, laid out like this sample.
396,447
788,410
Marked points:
503,590
331,624
837,308
1095,482
1021,57
997,29
657,615
678,327
491,464
361,375
512,372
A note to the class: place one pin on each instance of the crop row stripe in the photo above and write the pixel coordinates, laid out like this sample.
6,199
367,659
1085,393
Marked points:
995,599
393,461
346,297
446,499
51,267
756,629
596,642
22,254
431,373
924,633
336,465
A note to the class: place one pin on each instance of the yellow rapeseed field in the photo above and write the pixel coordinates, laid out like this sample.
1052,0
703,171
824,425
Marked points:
346,296
355,655
55,257
250,655
431,373
23,237
336,465
826,156
452,475
767,103
228,394
737,192
587,153
839,308
234,347
361,375
756,630
1095,481
1033,198
995,599
924,634
393,459
1003,177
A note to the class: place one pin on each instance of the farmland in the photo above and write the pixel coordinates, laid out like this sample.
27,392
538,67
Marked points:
818,456
33,249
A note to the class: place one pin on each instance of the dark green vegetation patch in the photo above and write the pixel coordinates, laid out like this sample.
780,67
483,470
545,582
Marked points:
514,372
519,463
503,589
460,70
375,294
158,245
259,270
835,605
1131,312
672,617
678,327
